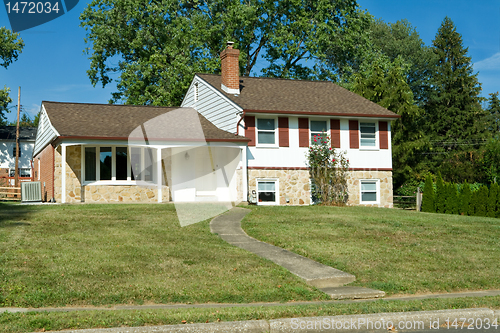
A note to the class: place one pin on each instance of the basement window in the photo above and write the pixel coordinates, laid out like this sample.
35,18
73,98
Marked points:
370,191
267,192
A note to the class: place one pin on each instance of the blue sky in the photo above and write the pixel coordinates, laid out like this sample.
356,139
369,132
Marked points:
53,65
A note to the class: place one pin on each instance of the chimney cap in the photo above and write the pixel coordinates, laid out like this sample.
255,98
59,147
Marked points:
229,44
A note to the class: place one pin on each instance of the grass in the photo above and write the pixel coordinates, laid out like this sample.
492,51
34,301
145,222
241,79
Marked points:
128,254
42,321
397,251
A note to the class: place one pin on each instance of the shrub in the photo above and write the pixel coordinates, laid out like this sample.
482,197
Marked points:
440,195
481,202
428,198
465,199
328,171
492,200
452,199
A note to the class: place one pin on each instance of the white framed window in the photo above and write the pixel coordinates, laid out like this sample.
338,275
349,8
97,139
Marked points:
266,132
23,172
117,164
317,128
267,191
368,135
369,191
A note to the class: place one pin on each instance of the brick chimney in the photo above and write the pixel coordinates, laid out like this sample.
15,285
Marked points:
230,69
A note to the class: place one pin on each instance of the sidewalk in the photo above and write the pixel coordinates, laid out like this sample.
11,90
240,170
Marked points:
392,322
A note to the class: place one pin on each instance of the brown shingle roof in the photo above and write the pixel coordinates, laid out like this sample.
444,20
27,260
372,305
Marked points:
108,121
297,96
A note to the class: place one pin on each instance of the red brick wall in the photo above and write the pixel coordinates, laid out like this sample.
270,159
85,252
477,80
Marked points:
46,171
230,69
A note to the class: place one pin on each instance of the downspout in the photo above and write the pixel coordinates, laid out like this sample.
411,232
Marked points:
242,115
53,173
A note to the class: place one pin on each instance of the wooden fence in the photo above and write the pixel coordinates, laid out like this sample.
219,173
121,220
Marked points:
410,202
10,193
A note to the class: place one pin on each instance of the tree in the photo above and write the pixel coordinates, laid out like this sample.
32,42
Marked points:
481,201
10,47
384,82
454,118
492,200
428,198
465,199
26,121
159,45
493,110
440,195
400,39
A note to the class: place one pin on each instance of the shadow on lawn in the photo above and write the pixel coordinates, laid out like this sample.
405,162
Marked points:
13,215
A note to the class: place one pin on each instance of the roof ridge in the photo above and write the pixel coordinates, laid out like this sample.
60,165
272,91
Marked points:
275,78
107,104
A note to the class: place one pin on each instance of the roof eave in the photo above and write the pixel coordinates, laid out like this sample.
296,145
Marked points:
317,113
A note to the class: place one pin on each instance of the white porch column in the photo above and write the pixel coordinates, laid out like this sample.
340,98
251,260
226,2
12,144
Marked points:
158,175
63,173
245,173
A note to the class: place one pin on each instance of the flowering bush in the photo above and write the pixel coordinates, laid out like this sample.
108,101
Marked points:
328,171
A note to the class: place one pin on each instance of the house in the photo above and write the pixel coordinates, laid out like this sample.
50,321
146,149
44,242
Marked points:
281,116
8,152
231,137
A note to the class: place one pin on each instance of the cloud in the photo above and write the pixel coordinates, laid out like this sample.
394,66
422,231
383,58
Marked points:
491,63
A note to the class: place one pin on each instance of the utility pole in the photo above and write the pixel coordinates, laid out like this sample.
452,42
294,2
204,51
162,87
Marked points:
16,174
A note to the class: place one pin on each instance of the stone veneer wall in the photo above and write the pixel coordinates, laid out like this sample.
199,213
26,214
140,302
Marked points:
386,199
97,193
293,184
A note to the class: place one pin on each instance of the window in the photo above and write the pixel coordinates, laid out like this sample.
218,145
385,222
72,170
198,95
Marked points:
368,137
369,191
318,128
266,132
267,192
14,151
23,172
119,164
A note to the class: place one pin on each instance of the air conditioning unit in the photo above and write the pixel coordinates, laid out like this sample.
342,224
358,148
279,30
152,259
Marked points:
31,192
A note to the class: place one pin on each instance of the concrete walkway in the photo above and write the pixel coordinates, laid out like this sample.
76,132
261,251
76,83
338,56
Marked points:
328,279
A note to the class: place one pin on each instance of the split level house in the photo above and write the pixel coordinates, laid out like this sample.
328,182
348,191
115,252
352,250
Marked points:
233,138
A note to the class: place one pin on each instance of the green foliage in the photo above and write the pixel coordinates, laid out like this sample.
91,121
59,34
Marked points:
10,47
440,195
465,199
26,121
328,171
451,200
493,110
454,119
428,198
492,200
481,203
158,46
490,161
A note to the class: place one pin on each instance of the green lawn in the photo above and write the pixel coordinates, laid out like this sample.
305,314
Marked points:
117,254
392,250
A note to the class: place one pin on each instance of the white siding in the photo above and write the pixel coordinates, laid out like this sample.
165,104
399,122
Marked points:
7,160
46,132
213,105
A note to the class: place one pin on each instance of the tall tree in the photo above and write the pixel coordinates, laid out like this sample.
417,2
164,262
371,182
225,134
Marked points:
10,47
493,110
454,118
400,39
157,46
385,82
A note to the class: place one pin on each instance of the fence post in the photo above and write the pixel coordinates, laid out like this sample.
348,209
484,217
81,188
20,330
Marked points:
419,200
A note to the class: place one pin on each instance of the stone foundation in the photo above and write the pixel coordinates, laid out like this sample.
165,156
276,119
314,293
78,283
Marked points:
293,184
385,177
124,193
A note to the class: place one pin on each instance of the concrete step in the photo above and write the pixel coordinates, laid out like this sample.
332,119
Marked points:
347,292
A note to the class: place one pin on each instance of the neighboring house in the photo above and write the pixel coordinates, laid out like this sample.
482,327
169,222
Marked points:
8,152
254,137
281,116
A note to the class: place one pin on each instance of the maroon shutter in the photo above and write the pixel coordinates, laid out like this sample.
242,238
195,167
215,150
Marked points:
283,132
383,135
250,129
353,134
335,132
303,132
